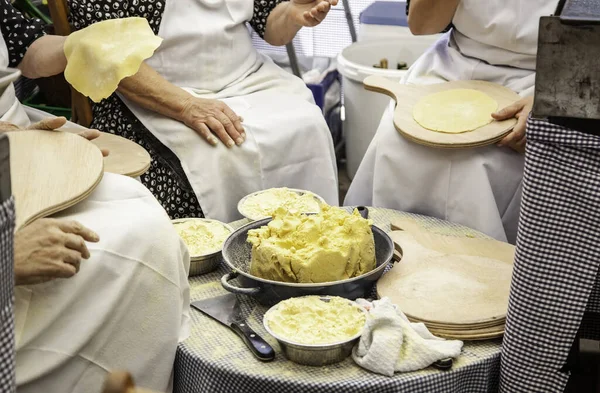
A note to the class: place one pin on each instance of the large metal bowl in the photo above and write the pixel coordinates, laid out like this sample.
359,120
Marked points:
313,354
202,264
237,255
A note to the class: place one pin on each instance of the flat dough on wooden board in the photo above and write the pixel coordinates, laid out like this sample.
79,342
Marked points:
51,171
101,55
449,280
455,111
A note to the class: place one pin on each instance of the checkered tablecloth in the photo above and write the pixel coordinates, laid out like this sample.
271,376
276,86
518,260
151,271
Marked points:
214,359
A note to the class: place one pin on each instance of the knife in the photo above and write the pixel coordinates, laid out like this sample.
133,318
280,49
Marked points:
226,309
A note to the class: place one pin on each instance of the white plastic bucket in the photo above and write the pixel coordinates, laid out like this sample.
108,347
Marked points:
363,109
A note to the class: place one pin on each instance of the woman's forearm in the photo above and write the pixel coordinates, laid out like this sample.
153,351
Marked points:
150,90
281,27
44,57
430,16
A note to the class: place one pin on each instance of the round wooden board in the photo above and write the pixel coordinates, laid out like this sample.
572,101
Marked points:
468,336
126,157
51,171
407,96
450,281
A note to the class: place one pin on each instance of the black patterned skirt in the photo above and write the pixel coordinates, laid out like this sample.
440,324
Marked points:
165,178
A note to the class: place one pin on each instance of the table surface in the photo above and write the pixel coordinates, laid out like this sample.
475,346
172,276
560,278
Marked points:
214,358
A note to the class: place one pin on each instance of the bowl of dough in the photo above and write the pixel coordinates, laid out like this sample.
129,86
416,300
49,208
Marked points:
204,239
316,330
263,204
335,252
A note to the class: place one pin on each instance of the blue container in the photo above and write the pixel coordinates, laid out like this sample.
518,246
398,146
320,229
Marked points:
386,13
319,89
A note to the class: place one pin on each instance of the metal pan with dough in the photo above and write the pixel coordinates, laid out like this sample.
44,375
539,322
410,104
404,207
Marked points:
237,255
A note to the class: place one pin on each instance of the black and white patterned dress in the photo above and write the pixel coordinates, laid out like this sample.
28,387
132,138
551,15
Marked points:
165,178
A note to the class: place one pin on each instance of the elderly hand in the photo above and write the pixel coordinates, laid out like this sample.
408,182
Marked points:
520,109
213,117
310,13
52,124
49,248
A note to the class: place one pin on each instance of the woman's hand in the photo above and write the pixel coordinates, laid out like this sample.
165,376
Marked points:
210,118
52,124
310,13
520,110
49,248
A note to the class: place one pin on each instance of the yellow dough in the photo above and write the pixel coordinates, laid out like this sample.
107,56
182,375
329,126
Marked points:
455,111
101,55
330,246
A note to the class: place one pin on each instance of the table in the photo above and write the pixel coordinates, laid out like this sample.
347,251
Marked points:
214,359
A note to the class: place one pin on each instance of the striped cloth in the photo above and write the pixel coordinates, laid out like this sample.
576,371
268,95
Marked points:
555,277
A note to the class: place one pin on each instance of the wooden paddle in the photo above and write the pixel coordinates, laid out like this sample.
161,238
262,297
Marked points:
50,172
406,96
449,280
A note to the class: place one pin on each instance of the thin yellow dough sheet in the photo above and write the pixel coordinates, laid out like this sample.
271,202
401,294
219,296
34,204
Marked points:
455,111
103,54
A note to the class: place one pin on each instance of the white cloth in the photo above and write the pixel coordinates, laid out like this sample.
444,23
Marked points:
288,142
477,187
127,308
391,343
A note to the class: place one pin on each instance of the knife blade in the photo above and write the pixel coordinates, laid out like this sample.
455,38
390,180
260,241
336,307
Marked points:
226,309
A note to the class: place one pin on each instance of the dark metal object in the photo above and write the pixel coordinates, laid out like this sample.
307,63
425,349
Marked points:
5,185
237,255
293,59
349,20
363,211
568,71
444,364
226,309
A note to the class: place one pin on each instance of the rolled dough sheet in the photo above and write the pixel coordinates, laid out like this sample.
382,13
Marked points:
455,111
102,54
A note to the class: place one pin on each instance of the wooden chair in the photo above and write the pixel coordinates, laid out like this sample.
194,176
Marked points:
80,104
122,382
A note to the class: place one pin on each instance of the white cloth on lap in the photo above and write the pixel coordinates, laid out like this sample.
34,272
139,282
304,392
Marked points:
391,343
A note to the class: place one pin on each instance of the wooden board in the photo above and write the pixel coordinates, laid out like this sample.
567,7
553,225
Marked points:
449,280
50,172
126,157
406,96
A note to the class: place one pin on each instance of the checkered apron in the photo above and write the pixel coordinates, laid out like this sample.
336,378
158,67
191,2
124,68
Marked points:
555,277
7,339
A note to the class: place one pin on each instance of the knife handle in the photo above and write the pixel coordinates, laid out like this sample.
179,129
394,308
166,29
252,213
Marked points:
259,347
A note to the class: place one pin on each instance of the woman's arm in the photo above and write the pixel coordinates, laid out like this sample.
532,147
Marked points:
150,90
430,16
44,57
290,16
35,54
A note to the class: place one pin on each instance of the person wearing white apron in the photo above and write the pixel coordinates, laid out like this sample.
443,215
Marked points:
495,41
128,305
185,103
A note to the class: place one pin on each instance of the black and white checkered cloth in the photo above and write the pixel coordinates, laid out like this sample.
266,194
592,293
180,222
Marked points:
7,339
557,259
214,359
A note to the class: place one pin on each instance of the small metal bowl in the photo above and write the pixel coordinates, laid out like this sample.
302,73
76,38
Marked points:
202,264
314,354
242,201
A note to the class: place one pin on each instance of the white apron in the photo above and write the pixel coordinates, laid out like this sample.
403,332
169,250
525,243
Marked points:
207,50
126,309
494,41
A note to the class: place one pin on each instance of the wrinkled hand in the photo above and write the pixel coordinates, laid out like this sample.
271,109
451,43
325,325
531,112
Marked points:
210,118
49,248
52,124
310,13
516,139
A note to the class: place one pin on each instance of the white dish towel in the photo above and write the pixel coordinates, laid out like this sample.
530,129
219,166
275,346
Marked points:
391,343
